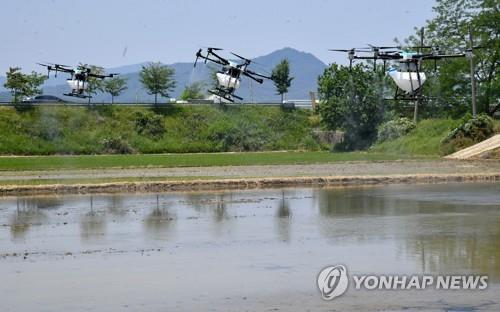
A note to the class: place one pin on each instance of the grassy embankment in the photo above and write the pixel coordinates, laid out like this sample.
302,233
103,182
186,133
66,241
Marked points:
143,131
426,139
171,129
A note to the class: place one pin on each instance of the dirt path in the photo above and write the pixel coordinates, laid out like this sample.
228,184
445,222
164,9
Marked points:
197,178
314,170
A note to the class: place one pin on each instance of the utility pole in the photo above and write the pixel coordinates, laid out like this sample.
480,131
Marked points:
418,66
472,71
251,92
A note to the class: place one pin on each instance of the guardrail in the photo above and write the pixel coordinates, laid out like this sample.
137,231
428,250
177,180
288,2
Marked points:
285,105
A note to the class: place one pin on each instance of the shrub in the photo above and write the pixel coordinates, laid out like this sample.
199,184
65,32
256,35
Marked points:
477,129
243,136
471,130
149,125
310,144
394,129
224,134
116,145
314,121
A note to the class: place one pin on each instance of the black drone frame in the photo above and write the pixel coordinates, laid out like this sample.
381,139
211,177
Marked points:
82,75
384,54
227,93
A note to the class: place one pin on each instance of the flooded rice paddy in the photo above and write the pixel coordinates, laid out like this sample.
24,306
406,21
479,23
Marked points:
255,250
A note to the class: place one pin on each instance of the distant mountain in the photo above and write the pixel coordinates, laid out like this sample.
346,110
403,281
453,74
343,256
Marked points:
2,81
305,67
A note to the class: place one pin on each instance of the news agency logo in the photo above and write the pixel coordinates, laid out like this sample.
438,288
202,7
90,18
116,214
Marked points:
333,281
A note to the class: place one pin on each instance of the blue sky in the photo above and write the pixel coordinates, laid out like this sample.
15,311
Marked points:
112,33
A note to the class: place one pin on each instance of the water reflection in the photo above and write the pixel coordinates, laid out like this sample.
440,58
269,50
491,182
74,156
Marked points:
93,224
159,222
27,214
214,203
116,206
442,233
437,228
476,251
220,209
283,219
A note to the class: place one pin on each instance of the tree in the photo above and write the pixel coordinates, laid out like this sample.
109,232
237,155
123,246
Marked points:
449,30
193,92
115,86
157,79
351,101
214,82
23,85
94,84
487,27
281,77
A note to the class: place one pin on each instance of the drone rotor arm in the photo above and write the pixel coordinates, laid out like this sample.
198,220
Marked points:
58,68
257,74
366,57
247,61
221,60
259,80
98,76
442,56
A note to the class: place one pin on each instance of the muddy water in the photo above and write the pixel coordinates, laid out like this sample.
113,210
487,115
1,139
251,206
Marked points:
257,250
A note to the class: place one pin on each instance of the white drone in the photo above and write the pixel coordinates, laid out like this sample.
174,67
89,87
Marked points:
229,77
79,77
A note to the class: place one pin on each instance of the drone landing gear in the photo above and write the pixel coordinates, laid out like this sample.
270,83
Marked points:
228,96
412,96
78,95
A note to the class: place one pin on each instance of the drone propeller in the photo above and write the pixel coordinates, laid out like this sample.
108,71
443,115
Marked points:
351,50
376,48
211,56
213,49
49,68
351,53
54,65
340,50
